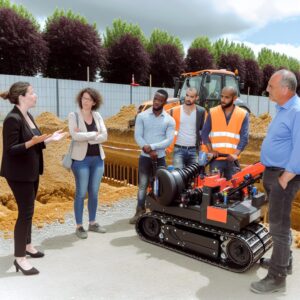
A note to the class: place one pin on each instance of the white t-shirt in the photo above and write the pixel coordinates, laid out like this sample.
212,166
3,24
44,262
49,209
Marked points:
187,129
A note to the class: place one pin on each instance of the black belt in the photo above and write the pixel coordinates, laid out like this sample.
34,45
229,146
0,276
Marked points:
274,169
185,147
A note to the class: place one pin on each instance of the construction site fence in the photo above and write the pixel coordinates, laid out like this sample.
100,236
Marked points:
120,174
58,96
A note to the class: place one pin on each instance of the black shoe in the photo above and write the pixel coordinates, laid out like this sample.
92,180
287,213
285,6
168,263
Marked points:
32,271
269,284
35,255
265,263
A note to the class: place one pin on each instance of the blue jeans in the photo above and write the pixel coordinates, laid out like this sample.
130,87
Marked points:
184,157
280,206
145,173
88,174
225,167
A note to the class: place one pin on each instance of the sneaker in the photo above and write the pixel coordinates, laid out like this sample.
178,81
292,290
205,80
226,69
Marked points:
81,233
265,263
97,228
139,212
269,284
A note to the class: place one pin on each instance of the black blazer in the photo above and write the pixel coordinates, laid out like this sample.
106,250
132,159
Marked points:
19,163
200,118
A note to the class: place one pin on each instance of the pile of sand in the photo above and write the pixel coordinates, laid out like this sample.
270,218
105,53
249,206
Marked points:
121,120
259,125
48,123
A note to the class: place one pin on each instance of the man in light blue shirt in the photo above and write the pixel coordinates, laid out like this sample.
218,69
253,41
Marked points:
280,155
154,132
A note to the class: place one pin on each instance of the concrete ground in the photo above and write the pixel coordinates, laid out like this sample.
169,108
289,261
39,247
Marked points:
118,265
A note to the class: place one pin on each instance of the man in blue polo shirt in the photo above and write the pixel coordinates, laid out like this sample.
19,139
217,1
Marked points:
280,155
154,132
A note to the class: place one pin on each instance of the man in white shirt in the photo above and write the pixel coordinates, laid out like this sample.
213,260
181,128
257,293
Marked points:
189,119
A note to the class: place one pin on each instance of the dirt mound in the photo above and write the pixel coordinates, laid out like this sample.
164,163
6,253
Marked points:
259,125
48,123
121,119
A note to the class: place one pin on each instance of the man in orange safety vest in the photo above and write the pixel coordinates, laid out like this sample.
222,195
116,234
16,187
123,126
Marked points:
226,131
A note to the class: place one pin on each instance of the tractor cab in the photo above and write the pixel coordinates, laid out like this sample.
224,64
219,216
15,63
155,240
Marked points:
209,84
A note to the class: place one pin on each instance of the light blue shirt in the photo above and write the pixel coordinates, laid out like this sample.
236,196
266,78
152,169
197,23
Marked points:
281,147
158,132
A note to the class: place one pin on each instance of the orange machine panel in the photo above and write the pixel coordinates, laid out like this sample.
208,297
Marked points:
217,214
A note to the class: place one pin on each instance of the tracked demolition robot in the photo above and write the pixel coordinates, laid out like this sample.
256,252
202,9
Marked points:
207,217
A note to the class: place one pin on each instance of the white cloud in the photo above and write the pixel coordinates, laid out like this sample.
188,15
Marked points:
260,12
287,49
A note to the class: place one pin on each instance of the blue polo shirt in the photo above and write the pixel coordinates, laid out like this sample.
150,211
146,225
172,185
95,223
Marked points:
156,131
281,147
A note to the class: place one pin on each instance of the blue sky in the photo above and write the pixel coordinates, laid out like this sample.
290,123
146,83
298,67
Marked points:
284,31
258,23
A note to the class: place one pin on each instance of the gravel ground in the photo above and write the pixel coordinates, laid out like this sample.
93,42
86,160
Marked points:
106,215
118,265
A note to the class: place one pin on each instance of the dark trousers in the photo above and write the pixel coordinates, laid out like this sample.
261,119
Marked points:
225,167
280,205
24,193
146,169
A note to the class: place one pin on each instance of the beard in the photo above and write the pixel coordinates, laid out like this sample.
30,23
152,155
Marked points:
188,103
158,108
226,105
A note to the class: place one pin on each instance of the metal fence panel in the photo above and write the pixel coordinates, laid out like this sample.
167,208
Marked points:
58,96
259,104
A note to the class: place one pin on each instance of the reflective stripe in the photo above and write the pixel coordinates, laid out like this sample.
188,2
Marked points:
176,132
224,133
224,145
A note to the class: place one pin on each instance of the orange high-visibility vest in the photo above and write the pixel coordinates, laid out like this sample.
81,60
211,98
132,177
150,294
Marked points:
225,138
175,113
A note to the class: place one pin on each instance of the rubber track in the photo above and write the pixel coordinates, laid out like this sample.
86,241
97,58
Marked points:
255,233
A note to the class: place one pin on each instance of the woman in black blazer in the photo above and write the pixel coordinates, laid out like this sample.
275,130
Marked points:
22,163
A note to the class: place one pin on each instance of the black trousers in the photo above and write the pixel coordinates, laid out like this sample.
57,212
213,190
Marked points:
280,206
24,193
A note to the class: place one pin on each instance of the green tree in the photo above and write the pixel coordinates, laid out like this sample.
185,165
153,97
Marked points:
243,51
58,14
121,28
202,42
74,45
221,46
265,57
294,64
277,60
160,37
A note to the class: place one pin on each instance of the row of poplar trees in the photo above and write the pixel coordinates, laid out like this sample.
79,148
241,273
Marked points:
68,46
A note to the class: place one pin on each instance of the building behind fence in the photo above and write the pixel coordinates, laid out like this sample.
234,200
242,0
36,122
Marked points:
58,96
